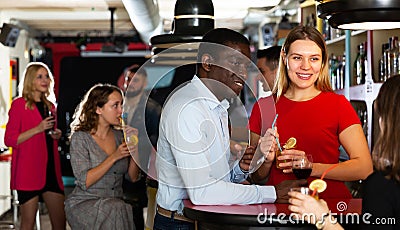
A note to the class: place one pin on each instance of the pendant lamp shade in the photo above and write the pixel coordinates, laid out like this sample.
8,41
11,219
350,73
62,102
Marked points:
360,14
192,20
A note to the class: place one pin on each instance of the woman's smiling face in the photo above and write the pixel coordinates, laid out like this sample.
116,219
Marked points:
303,62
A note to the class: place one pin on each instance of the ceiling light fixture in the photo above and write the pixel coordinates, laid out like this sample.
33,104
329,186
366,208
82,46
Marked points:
191,21
360,14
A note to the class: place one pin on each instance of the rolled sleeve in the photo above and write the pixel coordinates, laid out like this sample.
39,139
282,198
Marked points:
238,175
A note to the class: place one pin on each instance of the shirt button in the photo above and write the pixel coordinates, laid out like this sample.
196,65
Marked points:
112,188
115,172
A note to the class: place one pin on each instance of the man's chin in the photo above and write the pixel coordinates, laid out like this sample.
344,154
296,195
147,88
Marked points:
132,93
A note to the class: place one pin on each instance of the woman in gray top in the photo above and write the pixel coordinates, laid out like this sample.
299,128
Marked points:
100,159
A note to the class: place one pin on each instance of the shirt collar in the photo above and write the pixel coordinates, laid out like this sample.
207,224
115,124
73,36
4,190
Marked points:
206,93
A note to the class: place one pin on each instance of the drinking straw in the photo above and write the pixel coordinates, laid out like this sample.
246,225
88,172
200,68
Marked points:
276,138
323,175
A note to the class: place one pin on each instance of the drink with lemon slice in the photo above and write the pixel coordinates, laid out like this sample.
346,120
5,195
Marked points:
290,144
130,137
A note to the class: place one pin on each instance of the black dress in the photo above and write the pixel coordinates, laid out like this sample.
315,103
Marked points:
381,200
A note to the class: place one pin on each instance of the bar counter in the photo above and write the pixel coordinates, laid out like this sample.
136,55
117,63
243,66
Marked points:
266,216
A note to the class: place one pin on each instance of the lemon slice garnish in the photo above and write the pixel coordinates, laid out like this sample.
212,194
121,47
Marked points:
133,139
318,184
290,143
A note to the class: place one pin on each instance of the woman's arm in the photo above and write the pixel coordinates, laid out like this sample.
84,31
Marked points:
359,166
45,124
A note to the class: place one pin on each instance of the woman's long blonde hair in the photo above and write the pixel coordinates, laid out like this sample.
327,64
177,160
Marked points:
26,88
302,33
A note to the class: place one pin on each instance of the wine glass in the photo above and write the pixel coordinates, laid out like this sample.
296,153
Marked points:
51,113
302,166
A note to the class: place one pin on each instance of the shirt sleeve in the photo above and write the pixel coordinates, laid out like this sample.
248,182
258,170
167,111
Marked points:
237,174
347,114
13,127
80,160
255,119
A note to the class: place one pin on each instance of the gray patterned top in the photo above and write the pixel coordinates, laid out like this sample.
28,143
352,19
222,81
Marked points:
100,206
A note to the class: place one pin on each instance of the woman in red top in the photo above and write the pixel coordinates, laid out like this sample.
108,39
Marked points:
311,112
35,166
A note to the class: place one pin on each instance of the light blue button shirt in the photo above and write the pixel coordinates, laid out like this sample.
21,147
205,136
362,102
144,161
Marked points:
193,155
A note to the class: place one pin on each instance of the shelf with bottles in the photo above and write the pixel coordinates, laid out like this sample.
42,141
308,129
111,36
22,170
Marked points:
380,37
308,12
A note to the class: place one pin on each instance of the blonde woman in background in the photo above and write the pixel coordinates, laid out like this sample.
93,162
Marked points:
35,166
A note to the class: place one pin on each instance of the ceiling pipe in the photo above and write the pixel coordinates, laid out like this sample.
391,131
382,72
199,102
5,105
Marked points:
145,16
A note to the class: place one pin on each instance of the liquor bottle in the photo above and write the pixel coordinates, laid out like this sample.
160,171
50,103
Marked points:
326,30
341,71
333,62
393,54
383,63
360,65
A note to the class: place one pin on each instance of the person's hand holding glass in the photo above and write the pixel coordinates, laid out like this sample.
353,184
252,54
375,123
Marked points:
52,116
53,131
302,166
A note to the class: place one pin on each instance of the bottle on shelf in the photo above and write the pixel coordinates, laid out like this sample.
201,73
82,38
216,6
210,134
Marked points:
326,30
333,64
360,65
383,63
340,72
393,54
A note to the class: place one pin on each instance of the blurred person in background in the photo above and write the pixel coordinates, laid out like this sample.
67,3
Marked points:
142,113
267,63
31,132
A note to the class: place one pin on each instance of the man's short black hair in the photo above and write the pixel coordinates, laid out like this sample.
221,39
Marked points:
272,54
221,36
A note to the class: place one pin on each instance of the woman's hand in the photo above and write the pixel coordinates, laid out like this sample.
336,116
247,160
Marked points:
56,134
287,157
121,152
307,207
46,124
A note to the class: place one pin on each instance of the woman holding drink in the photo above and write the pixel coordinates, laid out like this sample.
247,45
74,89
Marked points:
381,190
35,167
311,112
100,160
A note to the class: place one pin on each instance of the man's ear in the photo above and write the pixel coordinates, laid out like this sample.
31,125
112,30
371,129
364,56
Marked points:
206,62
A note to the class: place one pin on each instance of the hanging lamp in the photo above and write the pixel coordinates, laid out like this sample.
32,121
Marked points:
360,14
